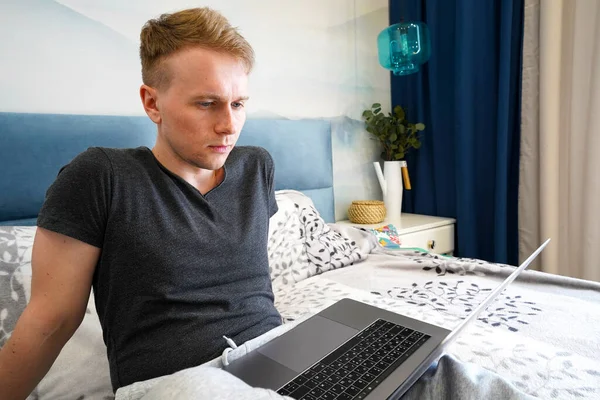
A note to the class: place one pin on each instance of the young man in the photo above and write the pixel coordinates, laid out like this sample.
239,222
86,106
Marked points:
174,239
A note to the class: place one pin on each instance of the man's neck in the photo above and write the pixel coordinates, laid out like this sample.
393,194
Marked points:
202,179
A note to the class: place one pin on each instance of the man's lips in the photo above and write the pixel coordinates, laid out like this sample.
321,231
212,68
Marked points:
220,148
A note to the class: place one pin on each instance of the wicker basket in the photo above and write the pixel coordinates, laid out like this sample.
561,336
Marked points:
366,212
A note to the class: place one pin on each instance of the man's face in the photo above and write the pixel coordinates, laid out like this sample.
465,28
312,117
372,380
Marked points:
202,107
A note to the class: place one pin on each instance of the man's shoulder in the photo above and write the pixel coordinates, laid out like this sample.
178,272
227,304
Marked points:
105,161
106,155
122,154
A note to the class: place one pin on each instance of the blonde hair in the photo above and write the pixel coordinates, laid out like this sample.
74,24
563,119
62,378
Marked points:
203,27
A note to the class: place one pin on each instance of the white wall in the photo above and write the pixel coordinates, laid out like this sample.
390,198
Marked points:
315,59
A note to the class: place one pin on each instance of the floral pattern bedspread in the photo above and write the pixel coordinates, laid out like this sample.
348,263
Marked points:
542,333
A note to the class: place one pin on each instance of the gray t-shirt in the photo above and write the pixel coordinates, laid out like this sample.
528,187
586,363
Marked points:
178,269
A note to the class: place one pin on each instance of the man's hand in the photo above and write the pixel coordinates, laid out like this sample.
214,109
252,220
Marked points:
60,288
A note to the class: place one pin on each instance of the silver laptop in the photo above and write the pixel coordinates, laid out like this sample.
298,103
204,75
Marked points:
352,350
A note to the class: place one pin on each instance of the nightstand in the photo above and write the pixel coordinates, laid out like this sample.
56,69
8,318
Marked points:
435,234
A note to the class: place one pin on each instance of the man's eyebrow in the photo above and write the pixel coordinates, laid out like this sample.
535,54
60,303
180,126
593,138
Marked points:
216,97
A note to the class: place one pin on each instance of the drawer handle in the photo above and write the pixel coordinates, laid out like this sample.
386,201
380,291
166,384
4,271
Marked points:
431,244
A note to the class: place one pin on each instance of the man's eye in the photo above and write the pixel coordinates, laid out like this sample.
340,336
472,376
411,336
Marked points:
237,105
205,104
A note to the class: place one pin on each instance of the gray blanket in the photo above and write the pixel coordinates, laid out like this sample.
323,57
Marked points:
448,378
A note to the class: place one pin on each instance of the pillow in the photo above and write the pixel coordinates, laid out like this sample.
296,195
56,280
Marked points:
81,369
301,244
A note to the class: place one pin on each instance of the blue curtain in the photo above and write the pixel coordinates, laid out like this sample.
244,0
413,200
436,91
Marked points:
468,95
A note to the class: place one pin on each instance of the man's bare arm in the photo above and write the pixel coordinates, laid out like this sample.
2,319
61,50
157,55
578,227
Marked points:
62,271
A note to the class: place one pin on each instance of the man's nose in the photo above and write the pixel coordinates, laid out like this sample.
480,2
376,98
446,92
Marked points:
226,122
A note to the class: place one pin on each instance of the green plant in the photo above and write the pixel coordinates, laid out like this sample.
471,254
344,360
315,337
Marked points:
394,132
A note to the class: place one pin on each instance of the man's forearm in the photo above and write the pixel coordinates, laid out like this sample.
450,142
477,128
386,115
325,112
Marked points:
30,352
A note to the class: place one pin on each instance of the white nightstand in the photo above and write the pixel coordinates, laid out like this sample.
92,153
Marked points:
435,234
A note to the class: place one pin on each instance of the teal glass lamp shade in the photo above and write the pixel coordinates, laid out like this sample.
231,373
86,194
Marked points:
404,47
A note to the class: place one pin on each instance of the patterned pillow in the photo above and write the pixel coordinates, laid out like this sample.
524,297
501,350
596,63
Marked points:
301,244
15,276
81,370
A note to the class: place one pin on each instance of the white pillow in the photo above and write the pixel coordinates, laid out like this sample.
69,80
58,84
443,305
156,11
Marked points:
301,244
81,369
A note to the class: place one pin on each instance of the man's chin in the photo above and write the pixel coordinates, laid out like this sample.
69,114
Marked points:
213,164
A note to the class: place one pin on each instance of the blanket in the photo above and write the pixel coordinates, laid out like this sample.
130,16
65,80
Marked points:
542,333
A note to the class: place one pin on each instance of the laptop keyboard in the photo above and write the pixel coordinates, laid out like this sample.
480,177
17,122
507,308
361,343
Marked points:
356,368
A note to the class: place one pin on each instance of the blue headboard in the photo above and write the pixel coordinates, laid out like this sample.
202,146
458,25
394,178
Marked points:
33,147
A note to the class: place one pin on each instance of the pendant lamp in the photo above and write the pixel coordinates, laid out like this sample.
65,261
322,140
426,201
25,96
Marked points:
404,47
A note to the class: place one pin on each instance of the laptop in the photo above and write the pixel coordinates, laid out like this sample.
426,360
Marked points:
352,350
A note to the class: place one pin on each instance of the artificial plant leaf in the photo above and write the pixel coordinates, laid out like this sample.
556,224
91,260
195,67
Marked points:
393,137
376,105
399,156
399,112
378,110
420,126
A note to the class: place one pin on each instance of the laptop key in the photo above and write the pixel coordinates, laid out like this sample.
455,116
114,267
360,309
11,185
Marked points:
361,369
327,396
290,387
361,384
352,376
341,373
397,329
318,367
299,393
344,382
300,379
311,384
389,359
376,371
337,389
388,325
369,377
308,374
346,368
354,363
353,390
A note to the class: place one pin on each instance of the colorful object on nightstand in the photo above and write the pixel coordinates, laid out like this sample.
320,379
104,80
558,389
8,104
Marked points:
387,236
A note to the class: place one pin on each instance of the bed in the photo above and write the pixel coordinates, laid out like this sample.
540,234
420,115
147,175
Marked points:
542,334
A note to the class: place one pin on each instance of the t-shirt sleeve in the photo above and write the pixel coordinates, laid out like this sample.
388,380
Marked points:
78,201
271,185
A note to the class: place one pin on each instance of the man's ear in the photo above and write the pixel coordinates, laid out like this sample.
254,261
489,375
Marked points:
149,101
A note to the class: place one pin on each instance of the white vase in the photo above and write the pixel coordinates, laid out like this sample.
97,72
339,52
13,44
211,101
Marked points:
390,181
